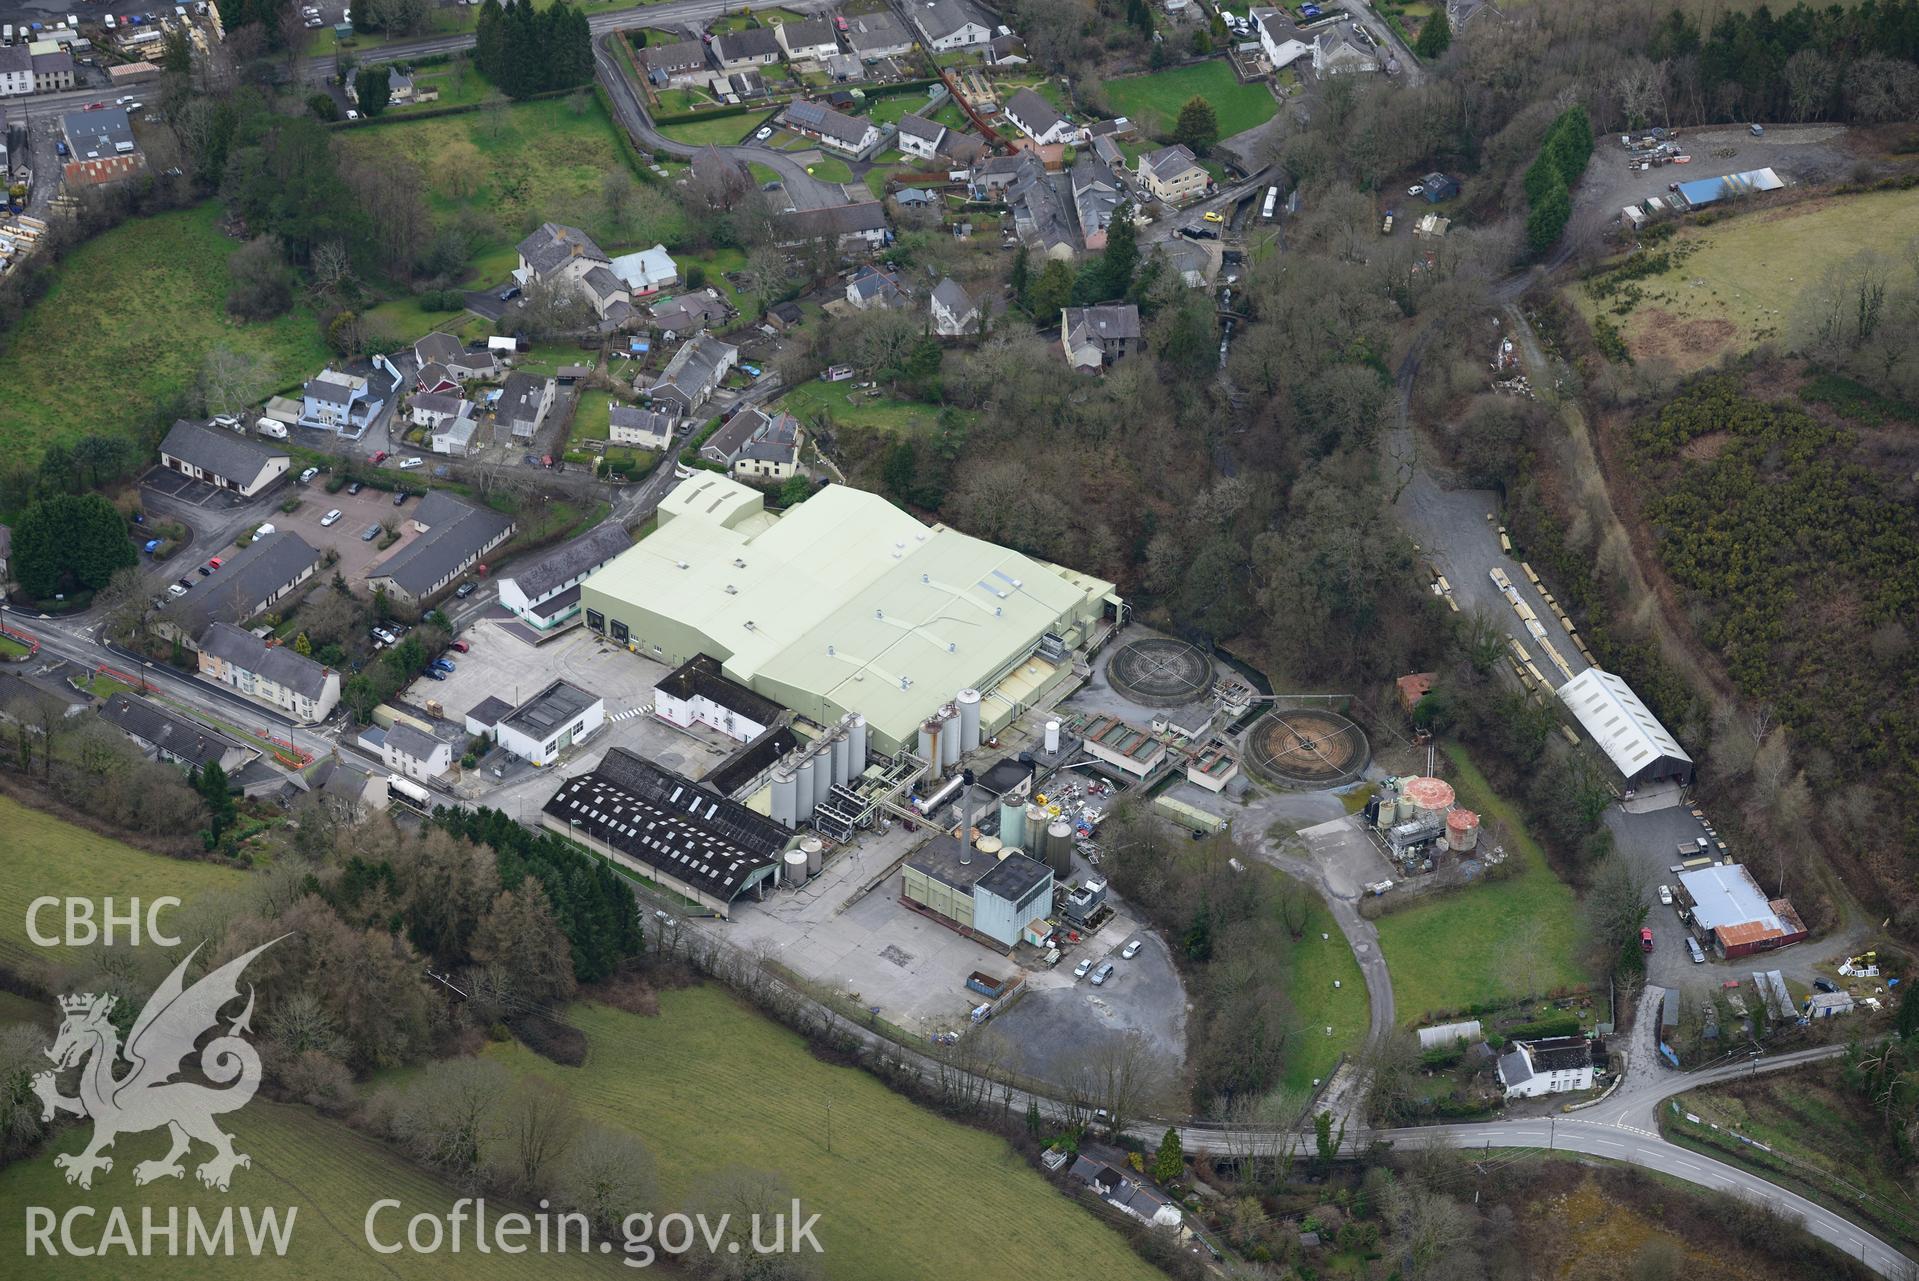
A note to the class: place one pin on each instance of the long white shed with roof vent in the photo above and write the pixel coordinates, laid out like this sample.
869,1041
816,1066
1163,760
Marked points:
1640,748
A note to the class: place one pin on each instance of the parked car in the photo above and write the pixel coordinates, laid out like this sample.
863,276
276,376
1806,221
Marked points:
1757,131
465,590
1212,215
265,529
765,132
384,636
330,517
355,487
215,561
379,456
185,584
1824,985
1131,950
1084,968
174,589
1103,973
1645,940
446,665
408,464
459,647
434,673
1692,946
370,533
1417,189
307,475
204,572
1665,895
509,293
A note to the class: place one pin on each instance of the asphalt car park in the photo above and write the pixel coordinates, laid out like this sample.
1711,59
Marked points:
357,511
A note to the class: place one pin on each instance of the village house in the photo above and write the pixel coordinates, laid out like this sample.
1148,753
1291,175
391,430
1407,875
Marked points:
1096,336
739,50
878,35
1554,1065
168,736
224,459
694,374
523,403
342,402
1173,175
1037,118
954,313
1097,196
871,288
646,428
568,259
809,41
756,445
946,25
458,362
263,572
410,750
1341,52
680,63
852,227
849,134
919,136
270,673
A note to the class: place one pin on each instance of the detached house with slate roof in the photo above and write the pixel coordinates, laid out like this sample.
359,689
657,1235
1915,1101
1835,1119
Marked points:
919,136
954,313
567,258
740,50
1038,119
756,445
946,25
849,134
1098,336
172,737
809,41
694,374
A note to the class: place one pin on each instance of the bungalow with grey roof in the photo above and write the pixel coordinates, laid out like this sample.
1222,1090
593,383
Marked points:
452,535
694,374
1342,51
523,403
680,63
222,458
264,571
1007,50
752,47
852,227
878,35
809,41
1037,118
849,134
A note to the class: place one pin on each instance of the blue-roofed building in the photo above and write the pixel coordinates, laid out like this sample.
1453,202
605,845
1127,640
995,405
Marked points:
1706,191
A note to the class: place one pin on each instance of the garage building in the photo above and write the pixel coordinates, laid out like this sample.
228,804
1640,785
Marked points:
846,604
1639,747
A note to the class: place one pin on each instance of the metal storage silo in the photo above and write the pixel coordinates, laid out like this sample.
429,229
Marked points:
930,749
803,790
815,851
1403,809
1059,848
785,801
968,701
1035,827
949,735
822,773
1052,736
841,759
1012,822
1430,797
795,868
856,743
1462,831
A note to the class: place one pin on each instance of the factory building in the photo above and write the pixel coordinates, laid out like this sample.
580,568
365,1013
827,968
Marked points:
847,604
1632,738
980,889
1124,746
1730,913
697,692
688,837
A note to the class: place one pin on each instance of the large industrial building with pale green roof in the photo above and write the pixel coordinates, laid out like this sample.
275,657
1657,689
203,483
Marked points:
845,604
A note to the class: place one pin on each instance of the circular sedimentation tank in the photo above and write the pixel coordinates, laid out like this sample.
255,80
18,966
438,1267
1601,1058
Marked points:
1310,748
1156,671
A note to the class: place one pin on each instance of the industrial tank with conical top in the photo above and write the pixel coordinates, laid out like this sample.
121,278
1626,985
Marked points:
1059,848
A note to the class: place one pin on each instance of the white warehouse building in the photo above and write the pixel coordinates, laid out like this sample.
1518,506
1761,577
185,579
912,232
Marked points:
558,717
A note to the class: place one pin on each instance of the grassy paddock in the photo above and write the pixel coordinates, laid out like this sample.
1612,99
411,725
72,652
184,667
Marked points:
1490,941
326,1173
1160,94
886,1191
845,408
48,855
1315,963
1738,282
721,131
130,316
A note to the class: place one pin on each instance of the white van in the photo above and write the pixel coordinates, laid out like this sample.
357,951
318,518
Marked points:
268,427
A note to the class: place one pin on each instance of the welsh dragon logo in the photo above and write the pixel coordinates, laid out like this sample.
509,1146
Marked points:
147,1097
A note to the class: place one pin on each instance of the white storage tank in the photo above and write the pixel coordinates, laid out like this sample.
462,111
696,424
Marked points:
841,759
795,868
803,789
815,851
1052,736
856,742
822,773
949,735
785,799
968,701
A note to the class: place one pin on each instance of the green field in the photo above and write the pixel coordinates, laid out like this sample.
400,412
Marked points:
830,169
47,855
721,131
1737,282
1153,101
849,409
902,1194
1487,942
330,1173
129,318
1314,964
519,166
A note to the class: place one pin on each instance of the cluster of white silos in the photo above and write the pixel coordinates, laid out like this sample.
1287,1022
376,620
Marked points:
803,780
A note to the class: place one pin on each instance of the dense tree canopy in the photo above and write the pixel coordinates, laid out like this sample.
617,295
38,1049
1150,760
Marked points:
68,542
